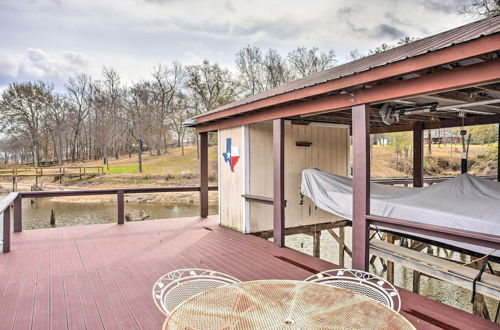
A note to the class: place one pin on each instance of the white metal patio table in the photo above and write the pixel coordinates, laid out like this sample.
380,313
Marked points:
283,304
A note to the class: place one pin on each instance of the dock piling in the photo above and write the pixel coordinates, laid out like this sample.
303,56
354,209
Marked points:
52,217
121,207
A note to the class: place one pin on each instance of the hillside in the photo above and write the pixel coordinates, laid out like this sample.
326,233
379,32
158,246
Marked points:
444,161
174,169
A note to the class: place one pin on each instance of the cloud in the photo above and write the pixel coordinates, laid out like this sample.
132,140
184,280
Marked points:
384,31
37,64
134,35
445,6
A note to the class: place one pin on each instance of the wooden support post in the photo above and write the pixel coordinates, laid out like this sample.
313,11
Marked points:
479,307
316,243
418,154
121,207
204,174
416,281
341,246
279,182
498,156
361,186
6,230
18,214
390,264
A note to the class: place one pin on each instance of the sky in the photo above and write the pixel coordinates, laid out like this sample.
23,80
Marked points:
51,40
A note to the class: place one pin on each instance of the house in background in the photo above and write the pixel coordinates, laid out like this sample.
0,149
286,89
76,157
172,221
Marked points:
443,136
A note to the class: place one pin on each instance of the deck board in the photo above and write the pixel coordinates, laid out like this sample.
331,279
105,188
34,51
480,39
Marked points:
101,276
72,301
22,318
91,315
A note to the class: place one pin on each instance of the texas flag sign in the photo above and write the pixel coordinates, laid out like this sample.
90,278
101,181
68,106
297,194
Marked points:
231,155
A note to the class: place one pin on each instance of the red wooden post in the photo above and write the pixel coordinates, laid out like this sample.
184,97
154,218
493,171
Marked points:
204,174
6,230
121,207
361,186
418,154
279,182
18,214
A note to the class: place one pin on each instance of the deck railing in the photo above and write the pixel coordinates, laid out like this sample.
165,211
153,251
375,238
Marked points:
15,199
5,205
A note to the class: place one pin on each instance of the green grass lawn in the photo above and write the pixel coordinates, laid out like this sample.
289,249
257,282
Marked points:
171,163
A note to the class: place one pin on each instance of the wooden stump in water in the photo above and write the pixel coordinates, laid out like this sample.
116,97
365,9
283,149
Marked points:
52,217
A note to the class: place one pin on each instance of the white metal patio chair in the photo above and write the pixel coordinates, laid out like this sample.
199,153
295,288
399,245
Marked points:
178,285
361,282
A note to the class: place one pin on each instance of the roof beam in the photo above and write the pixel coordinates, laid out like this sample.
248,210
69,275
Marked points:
473,75
468,121
447,55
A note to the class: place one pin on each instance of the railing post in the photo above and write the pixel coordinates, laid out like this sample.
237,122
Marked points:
6,230
121,207
418,154
204,174
361,186
279,182
18,214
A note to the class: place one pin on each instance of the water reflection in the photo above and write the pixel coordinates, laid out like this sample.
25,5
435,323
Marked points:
37,214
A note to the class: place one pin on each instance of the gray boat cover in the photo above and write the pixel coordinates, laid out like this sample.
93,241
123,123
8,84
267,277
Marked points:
465,202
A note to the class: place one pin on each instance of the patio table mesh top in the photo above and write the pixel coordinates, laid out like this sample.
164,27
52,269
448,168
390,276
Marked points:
278,304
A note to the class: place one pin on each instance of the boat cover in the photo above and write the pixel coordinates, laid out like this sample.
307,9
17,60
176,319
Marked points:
465,202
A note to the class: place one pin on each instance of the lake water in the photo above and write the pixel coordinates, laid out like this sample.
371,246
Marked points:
37,215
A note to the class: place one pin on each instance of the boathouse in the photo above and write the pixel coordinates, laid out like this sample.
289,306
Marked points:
267,140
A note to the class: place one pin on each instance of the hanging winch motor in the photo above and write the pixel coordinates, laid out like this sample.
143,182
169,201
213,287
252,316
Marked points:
390,112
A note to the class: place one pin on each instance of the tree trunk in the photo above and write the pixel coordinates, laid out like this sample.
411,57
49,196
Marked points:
35,154
197,147
140,156
429,138
165,141
182,144
158,140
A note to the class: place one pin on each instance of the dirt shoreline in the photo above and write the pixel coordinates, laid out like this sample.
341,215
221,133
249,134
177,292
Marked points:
152,198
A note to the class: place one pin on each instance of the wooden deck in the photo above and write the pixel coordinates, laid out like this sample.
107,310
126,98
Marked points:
101,276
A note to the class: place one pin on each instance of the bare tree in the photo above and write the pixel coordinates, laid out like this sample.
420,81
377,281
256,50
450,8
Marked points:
212,85
22,109
138,115
56,123
112,96
249,61
384,47
79,91
481,8
305,61
166,83
354,55
182,109
276,70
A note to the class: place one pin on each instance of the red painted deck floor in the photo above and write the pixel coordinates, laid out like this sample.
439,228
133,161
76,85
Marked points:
101,276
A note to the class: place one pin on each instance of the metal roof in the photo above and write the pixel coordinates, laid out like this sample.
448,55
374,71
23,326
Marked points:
433,43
